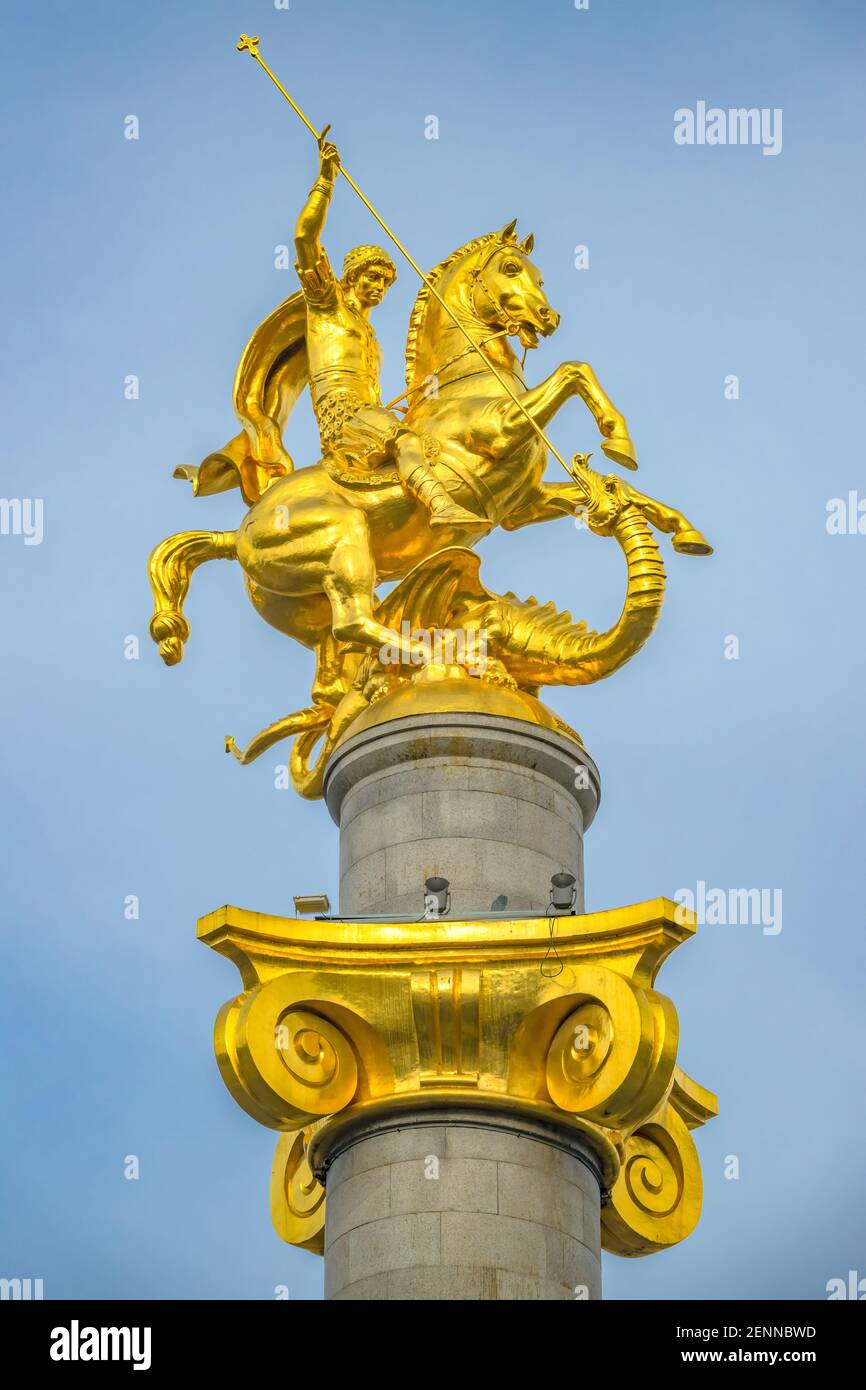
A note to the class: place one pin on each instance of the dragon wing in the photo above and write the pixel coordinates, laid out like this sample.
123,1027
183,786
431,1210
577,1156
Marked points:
428,595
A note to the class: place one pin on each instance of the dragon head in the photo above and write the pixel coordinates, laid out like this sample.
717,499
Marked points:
604,496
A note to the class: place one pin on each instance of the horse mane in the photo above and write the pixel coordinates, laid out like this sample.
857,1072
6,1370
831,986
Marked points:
422,302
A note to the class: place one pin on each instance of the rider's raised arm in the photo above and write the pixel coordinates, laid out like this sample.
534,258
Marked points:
311,221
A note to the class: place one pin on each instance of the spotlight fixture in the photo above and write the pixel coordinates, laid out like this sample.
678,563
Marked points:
312,903
562,894
437,898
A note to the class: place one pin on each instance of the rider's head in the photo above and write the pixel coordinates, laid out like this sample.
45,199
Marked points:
368,272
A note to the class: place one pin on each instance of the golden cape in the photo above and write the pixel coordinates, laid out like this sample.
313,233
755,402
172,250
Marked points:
270,377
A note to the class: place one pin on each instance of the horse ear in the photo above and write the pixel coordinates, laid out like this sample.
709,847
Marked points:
528,243
507,233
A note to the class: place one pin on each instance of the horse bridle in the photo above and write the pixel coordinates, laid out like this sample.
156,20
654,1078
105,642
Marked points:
477,278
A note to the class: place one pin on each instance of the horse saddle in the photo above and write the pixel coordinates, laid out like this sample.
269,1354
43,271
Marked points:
353,471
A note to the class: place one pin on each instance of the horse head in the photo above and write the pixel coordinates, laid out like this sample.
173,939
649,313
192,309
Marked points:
506,291
496,290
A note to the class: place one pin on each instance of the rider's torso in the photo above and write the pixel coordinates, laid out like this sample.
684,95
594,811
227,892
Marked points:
343,352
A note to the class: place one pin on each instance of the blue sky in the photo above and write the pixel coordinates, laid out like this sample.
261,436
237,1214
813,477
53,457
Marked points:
156,258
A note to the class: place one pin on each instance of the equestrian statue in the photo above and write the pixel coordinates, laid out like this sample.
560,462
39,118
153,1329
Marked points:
403,492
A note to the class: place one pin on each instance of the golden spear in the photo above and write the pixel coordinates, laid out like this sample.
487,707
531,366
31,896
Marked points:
247,44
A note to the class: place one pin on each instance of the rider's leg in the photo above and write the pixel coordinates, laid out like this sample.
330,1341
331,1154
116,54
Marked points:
422,482
349,586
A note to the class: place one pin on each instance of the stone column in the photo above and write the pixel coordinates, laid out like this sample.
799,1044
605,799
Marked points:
464,1203
459,1203
468,1107
494,805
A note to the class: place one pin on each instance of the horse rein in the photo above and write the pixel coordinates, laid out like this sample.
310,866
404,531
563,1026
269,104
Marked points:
478,347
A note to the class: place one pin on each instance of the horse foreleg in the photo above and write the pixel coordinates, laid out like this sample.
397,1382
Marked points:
547,502
611,423
542,402
686,538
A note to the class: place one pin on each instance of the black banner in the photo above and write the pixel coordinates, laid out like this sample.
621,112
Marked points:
65,1338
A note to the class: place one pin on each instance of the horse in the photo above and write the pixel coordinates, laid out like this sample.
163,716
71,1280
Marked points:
317,542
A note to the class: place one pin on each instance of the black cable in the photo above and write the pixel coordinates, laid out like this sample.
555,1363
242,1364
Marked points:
551,950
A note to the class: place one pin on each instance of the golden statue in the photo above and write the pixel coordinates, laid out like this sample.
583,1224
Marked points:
343,1025
402,492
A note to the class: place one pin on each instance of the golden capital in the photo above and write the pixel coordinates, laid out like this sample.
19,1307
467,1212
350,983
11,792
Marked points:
339,1022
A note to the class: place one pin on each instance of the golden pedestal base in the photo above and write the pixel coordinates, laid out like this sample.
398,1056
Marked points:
340,1021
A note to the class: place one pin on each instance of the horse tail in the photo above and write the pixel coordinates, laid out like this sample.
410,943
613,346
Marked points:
169,569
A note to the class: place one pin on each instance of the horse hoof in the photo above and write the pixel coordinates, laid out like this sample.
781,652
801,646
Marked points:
691,543
620,449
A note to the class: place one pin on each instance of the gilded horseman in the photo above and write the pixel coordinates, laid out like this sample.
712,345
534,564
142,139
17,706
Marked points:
322,337
345,357
394,500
